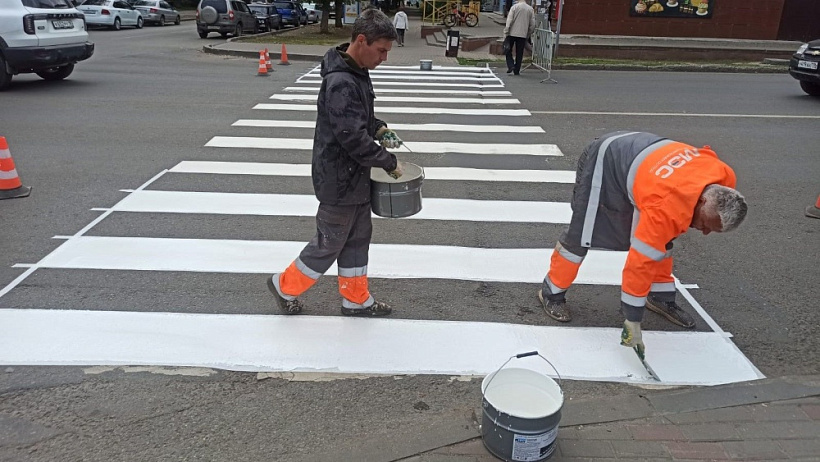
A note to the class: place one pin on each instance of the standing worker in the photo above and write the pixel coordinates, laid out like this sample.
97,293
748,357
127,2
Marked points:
520,26
638,191
343,153
401,24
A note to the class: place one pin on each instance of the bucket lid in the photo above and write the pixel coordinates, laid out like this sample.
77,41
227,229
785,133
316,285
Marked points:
522,393
412,172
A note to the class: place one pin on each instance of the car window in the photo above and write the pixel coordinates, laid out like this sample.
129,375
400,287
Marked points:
144,3
47,4
242,6
94,2
219,5
258,9
284,6
165,5
120,5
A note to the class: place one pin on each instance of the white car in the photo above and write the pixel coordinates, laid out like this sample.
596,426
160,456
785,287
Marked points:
111,13
314,12
45,37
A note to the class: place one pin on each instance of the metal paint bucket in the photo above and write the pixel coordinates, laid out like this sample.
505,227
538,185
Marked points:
426,64
391,198
522,408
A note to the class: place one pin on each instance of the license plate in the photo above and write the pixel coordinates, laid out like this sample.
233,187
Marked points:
63,24
807,65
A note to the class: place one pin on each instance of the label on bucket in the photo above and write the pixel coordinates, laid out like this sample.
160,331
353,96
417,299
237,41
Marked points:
528,448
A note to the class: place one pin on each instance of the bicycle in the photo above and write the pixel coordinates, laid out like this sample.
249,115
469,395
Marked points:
457,17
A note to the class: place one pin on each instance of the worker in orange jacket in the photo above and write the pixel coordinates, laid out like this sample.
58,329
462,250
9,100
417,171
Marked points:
638,191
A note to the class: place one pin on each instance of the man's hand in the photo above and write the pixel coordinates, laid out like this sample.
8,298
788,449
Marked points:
631,337
388,138
398,171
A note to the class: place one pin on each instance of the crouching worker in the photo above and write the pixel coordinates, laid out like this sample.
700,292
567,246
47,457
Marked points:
637,191
343,153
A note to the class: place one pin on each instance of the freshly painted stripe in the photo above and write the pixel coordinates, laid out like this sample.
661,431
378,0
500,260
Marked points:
422,147
414,78
391,261
417,72
408,99
680,114
306,205
405,110
430,173
414,91
398,126
258,343
436,67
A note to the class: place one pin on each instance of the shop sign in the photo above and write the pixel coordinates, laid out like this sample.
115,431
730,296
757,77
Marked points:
672,8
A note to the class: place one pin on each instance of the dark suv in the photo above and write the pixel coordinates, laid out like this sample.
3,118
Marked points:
267,16
226,17
805,67
291,13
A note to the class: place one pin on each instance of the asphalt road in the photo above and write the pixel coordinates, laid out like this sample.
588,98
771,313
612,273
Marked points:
150,98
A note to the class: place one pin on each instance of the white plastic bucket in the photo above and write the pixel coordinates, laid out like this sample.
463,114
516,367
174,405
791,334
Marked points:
521,412
426,64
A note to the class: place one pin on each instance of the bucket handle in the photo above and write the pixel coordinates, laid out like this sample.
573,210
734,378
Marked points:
524,355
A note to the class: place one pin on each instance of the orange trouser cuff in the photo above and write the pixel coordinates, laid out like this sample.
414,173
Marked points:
354,289
294,282
562,272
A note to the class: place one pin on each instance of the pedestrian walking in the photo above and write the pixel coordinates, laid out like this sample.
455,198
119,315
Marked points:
519,28
343,153
401,24
637,192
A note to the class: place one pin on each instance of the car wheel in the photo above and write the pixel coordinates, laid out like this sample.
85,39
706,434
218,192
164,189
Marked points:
810,88
224,34
5,77
117,24
203,34
238,31
57,73
177,20
140,23
162,21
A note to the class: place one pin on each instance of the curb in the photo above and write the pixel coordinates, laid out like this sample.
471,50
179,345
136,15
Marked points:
211,49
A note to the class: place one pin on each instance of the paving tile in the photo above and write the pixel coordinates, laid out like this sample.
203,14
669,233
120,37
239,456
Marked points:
811,410
569,433
590,449
768,413
603,432
656,432
778,430
696,450
684,418
726,414
448,458
754,450
472,447
630,450
710,432
801,448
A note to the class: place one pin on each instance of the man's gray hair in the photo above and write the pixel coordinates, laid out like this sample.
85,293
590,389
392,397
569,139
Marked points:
374,25
728,203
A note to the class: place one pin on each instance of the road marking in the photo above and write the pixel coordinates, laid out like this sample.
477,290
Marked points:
408,99
258,343
430,173
434,73
419,147
405,110
390,261
414,91
436,67
315,78
403,127
679,114
297,205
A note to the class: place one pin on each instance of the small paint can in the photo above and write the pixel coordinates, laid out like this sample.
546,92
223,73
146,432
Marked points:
521,412
426,64
396,198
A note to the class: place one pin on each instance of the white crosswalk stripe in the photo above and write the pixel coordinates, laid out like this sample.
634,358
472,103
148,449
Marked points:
271,343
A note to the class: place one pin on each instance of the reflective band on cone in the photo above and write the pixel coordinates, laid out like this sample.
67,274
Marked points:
10,185
263,68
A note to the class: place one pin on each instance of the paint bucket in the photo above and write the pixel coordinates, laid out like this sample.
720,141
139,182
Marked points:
426,64
396,198
522,408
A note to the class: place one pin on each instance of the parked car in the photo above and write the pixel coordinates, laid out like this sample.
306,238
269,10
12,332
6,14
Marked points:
157,12
267,16
291,13
313,14
226,17
44,37
804,67
111,13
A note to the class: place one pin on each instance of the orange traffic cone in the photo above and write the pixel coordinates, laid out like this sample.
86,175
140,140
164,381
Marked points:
813,211
284,60
263,68
268,64
10,186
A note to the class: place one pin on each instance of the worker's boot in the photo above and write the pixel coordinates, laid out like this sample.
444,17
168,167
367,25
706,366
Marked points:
286,306
670,311
376,309
555,307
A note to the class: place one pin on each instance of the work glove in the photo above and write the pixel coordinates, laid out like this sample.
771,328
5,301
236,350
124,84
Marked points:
397,172
388,138
631,337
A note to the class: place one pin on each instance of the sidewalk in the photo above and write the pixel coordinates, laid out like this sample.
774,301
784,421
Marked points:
771,419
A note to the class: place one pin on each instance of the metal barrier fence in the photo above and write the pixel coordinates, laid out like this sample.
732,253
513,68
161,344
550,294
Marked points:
543,48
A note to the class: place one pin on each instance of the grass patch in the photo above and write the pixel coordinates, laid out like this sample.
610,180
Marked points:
306,35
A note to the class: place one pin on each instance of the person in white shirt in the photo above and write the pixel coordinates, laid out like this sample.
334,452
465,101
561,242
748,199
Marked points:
520,26
400,23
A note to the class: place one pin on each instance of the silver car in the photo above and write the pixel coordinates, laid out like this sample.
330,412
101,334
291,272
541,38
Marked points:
157,12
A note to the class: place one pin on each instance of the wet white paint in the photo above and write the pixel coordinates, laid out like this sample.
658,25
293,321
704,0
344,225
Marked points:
430,173
418,147
398,126
522,393
414,91
405,110
333,344
408,99
416,78
457,75
294,205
